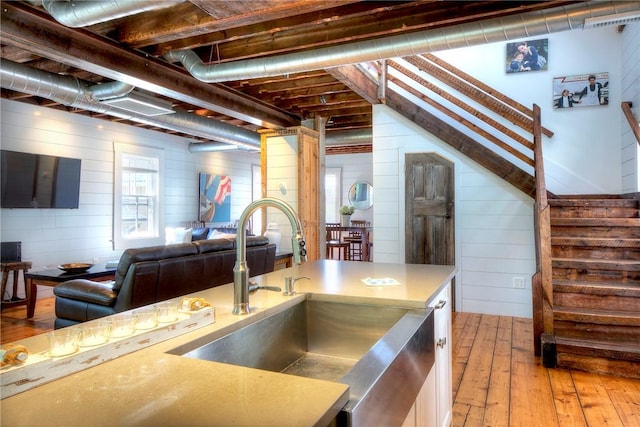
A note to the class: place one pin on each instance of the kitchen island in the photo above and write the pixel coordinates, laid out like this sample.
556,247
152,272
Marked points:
153,387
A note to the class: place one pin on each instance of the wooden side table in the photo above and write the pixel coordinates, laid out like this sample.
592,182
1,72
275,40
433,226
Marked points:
283,260
15,267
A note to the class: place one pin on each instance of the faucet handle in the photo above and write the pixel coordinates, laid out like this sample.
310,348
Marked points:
289,282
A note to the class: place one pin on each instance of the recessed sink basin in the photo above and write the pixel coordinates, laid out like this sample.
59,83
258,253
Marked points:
380,352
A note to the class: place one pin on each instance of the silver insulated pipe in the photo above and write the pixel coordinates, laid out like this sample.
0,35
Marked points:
72,92
470,34
83,13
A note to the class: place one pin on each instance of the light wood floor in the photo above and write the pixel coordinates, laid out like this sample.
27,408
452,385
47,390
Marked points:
15,325
497,381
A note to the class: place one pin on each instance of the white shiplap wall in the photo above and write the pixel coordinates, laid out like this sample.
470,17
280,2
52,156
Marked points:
493,220
493,233
583,155
53,236
631,92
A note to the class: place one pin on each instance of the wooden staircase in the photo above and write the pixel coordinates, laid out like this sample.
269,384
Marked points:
595,259
586,289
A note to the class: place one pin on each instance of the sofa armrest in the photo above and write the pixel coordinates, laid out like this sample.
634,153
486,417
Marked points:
88,291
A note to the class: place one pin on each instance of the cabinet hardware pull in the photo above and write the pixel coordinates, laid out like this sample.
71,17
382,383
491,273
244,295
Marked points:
440,304
442,342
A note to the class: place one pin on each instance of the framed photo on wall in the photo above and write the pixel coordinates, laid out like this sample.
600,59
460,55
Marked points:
215,198
527,55
581,90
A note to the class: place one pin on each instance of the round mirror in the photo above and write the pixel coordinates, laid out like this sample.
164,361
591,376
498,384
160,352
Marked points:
361,195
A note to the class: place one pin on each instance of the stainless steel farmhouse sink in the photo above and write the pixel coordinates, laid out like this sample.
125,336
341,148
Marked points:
383,353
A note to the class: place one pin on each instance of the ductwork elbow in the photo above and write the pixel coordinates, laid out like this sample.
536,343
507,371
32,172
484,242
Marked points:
84,13
110,90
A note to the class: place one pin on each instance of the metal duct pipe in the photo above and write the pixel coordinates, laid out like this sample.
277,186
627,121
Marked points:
345,137
110,90
470,34
349,137
83,13
205,147
73,93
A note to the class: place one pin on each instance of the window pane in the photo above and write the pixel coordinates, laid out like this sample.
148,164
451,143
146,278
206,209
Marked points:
332,188
137,193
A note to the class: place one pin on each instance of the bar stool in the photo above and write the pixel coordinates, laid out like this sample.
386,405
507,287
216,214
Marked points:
15,267
334,241
356,239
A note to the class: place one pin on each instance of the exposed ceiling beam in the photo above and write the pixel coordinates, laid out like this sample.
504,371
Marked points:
38,33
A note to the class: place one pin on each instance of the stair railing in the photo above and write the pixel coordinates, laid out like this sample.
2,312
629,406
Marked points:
631,118
515,145
542,286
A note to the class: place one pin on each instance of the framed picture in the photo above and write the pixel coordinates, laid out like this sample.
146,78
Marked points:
581,90
215,198
528,55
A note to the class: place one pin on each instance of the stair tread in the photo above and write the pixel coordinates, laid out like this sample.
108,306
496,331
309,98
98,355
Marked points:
597,202
617,317
595,222
602,264
628,345
626,289
615,242
616,313
612,350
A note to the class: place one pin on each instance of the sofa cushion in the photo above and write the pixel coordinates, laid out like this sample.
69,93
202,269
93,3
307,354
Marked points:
177,235
215,234
132,256
215,245
100,293
252,241
199,234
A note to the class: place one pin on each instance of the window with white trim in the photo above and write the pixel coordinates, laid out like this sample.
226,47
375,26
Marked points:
332,189
137,206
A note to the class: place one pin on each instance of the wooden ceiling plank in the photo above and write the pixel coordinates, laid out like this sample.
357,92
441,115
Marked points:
357,80
24,27
383,21
314,91
294,82
298,29
165,30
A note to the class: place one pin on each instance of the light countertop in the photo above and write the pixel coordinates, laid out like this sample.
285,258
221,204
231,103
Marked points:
152,387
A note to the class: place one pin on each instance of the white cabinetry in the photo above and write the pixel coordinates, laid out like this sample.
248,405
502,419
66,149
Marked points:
433,406
442,366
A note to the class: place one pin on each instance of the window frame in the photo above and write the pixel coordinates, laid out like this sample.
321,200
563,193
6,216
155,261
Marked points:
121,241
332,207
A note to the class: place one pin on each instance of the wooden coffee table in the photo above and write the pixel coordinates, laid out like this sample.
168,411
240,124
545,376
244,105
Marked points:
56,276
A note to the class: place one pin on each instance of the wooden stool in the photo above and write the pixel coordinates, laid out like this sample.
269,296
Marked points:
16,267
334,241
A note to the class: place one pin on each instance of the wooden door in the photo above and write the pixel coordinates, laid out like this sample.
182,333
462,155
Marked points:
308,194
429,209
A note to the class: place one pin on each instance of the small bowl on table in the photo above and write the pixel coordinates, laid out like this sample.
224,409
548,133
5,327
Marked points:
75,267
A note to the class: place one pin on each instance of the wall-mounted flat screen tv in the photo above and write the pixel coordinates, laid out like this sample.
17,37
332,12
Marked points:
39,181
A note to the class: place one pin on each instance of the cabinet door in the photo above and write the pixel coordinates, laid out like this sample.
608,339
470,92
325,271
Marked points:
426,412
442,336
